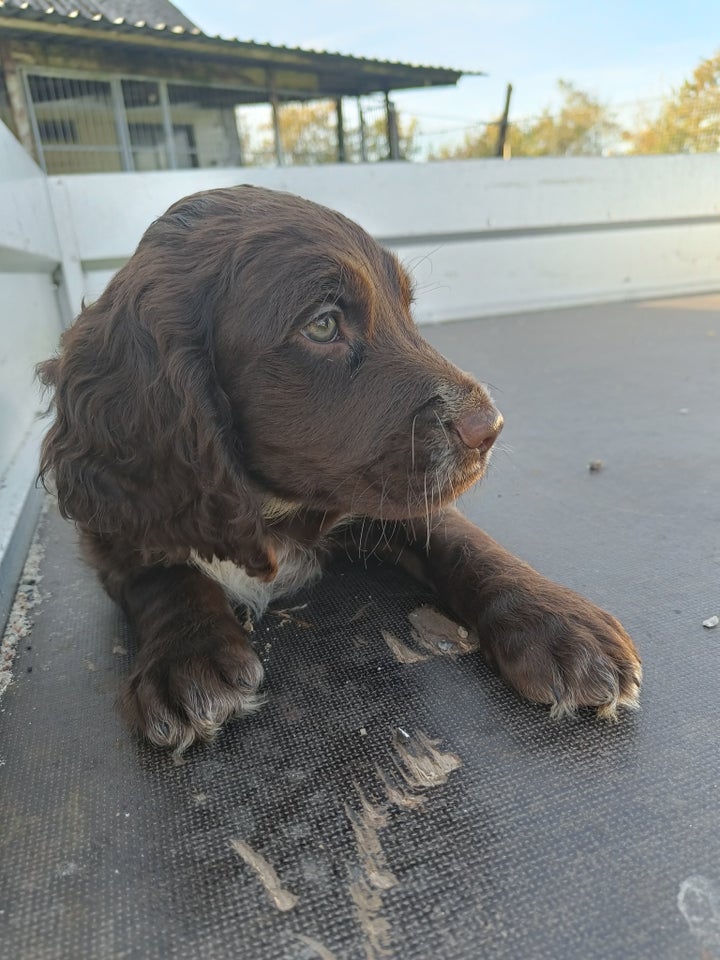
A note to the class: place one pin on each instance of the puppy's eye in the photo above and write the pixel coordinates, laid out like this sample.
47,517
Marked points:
323,328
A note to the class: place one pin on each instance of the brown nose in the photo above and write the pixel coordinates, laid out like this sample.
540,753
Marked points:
479,429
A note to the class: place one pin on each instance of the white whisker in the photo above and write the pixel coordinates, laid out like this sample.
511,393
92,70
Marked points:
442,427
412,441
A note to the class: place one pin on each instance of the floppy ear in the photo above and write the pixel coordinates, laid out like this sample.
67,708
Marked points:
142,448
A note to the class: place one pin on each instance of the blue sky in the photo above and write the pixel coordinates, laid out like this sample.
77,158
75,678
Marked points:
621,52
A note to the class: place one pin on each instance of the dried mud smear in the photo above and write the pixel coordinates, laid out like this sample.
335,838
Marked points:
433,635
401,651
282,898
422,763
366,891
419,765
20,622
320,949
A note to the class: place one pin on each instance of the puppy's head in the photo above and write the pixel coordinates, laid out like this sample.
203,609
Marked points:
257,344
338,401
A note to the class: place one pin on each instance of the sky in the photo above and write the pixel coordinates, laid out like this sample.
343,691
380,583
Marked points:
620,52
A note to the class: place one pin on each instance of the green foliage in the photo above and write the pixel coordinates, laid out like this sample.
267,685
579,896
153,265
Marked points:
688,120
582,127
376,141
481,143
309,135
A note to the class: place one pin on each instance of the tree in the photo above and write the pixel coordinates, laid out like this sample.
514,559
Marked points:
308,132
376,138
480,143
582,127
309,135
689,119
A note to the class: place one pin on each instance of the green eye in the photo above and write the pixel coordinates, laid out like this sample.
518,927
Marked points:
322,329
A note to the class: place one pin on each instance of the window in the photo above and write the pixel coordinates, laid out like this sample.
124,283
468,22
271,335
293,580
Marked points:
85,125
75,124
57,131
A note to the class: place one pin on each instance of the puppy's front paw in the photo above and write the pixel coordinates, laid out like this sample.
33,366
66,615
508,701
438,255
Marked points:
188,690
556,647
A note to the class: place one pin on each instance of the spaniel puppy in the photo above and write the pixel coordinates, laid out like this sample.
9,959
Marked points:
248,394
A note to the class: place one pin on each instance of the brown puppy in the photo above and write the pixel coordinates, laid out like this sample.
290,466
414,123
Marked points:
249,392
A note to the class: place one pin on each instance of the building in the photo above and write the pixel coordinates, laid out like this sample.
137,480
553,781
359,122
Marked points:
107,85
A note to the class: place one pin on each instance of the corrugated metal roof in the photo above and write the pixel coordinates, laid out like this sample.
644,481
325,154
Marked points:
161,17
142,14
152,11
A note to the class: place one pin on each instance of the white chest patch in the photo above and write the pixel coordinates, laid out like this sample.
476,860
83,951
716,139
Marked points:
296,568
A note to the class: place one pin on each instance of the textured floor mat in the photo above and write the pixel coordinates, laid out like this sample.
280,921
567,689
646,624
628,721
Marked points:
393,798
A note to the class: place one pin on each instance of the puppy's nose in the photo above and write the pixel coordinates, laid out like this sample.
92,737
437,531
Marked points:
479,429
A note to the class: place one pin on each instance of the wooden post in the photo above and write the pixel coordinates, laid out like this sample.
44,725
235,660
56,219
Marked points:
127,157
275,104
504,123
238,124
340,131
167,125
363,132
392,129
18,104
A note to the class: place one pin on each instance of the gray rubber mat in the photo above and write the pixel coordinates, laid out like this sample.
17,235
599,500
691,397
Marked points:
377,807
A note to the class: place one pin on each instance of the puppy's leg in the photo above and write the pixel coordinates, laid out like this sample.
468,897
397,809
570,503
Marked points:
195,667
548,642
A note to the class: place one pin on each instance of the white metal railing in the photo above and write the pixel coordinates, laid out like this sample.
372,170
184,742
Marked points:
481,236
30,324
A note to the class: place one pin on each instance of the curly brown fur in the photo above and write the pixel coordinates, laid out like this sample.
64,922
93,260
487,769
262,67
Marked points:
249,390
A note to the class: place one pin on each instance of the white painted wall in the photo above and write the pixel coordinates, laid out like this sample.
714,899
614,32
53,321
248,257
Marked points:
29,330
481,237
